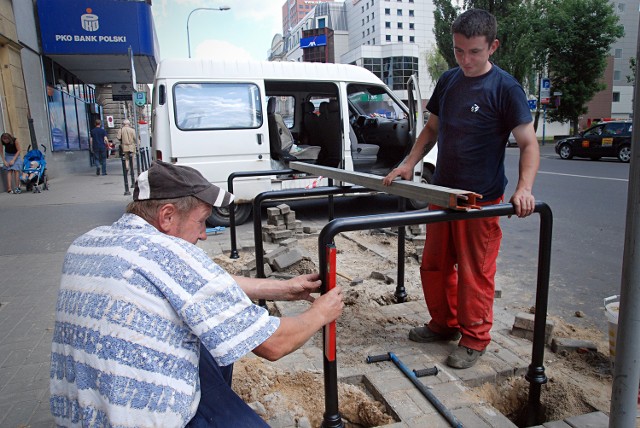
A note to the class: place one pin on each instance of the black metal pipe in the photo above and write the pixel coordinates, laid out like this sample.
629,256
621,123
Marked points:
131,171
332,211
401,292
536,375
232,207
534,412
124,174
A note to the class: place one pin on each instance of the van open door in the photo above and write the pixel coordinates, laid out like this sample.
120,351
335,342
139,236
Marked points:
423,171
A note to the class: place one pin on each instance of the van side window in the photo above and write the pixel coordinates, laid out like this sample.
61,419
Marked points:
217,106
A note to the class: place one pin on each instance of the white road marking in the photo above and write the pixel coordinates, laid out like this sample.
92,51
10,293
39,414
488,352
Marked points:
584,176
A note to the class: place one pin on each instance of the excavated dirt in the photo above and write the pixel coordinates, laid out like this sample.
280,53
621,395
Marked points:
579,382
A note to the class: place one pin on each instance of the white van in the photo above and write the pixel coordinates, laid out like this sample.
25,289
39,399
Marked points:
222,117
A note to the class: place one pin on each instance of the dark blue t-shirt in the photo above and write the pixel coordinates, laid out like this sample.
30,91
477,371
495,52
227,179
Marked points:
98,135
476,115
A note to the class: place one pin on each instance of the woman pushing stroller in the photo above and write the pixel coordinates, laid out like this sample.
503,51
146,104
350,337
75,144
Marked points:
11,161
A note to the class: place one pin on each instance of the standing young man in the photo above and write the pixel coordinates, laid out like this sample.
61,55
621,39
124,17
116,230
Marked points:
98,143
473,109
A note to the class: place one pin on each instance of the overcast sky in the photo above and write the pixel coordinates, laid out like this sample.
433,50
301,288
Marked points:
244,31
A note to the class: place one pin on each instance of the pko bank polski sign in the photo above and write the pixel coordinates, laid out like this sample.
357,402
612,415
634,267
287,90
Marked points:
95,27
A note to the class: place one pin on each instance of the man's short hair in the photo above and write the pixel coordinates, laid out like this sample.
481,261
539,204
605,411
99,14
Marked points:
148,209
476,22
126,122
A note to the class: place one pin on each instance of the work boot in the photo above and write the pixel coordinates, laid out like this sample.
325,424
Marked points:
425,335
463,357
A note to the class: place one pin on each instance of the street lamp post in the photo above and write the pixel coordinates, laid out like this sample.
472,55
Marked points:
189,17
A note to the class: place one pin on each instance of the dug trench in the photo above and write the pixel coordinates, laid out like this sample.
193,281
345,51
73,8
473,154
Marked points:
290,392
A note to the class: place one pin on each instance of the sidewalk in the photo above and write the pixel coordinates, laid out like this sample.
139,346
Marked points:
36,231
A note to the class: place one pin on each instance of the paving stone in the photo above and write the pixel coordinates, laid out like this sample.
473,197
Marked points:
389,381
284,208
469,418
290,218
403,405
287,259
271,255
528,334
309,229
493,417
589,420
282,234
556,424
477,375
571,345
431,420
288,242
453,395
526,321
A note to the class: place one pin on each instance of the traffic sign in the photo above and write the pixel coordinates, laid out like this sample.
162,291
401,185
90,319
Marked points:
545,90
140,98
532,104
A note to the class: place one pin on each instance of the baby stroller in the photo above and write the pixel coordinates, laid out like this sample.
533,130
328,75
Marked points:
34,171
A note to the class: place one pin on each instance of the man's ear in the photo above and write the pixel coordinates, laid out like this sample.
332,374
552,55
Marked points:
494,46
167,218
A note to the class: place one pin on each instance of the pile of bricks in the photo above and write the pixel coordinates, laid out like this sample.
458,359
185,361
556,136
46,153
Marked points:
282,229
281,225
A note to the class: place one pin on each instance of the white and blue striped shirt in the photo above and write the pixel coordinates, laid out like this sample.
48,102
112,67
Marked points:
133,306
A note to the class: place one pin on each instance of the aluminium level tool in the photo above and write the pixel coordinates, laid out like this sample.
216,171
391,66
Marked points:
453,421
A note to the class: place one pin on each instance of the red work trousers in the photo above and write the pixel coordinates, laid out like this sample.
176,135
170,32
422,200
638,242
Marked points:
458,276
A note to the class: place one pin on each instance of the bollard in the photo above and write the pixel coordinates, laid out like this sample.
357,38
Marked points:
137,161
133,177
124,174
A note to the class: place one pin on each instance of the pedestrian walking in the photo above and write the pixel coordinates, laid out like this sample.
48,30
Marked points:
98,144
11,161
473,109
128,142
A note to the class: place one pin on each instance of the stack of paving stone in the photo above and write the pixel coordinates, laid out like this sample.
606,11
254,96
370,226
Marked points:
281,229
416,233
281,225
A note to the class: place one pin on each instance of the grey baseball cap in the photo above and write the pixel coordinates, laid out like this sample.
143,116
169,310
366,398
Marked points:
168,181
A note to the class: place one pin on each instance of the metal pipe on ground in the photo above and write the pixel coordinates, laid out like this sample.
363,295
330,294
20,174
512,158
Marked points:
446,413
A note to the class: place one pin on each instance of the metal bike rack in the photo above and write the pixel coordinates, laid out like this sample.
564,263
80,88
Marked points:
326,249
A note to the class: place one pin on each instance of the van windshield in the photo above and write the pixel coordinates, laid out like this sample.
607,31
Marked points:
371,103
217,106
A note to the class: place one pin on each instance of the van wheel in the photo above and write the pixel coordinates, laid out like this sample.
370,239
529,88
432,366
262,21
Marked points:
220,216
427,176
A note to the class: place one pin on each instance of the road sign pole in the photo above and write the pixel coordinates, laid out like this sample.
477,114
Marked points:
544,121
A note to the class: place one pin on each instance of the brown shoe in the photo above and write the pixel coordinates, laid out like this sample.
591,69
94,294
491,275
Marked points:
463,357
425,335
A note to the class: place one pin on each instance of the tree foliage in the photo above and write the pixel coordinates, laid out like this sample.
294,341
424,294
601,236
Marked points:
436,64
444,14
576,45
